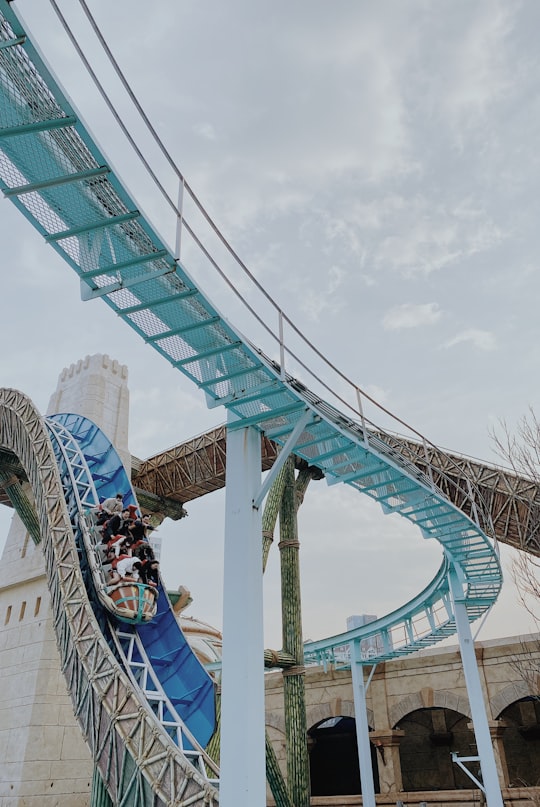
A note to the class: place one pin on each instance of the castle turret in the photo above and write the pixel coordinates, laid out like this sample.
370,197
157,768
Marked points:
44,761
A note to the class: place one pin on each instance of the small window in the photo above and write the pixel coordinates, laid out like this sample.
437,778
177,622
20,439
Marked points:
8,615
38,606
25,545
23,609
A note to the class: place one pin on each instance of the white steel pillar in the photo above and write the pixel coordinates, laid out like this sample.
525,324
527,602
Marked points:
490,778
242,776
362,728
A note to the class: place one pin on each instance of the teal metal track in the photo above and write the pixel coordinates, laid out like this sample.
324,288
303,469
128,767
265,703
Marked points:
53,171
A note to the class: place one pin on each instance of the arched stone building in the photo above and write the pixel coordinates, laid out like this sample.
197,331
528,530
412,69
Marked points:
419,715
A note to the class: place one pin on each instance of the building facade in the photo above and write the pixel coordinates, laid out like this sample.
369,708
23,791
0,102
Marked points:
44,760
419,716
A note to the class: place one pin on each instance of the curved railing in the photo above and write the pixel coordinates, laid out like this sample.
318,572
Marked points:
54,172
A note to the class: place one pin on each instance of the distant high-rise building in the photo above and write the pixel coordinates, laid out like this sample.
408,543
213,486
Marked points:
372,646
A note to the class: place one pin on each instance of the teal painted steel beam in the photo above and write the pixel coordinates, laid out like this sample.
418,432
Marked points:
54,182
119,267
124,283
426,506
207,354
314,442
372,470
474,554
38,126
477,538
273,387
389,495
229,376
450,513
150,304
327,455
10,43
282,457
353,476
158,337
283,431
385,483
400,493
255,420
447,540
96,225
439,527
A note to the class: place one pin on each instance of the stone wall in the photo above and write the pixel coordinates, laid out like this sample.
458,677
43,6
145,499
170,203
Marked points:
431,684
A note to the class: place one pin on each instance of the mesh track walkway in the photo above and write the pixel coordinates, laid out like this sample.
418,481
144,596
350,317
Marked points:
56,175
54,172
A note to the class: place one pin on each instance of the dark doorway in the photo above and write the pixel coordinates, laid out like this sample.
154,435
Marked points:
333,759
426,750
521,741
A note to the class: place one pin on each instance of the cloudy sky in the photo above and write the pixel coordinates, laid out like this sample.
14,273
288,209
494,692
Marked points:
376,166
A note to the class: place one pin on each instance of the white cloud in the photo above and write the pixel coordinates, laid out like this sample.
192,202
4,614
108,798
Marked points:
480,75
315,301
409,315
482,340
205,130
425,237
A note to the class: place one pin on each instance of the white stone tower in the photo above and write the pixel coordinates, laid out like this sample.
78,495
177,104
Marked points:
44,761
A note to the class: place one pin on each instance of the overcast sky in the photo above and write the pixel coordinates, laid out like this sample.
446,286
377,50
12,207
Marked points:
376,166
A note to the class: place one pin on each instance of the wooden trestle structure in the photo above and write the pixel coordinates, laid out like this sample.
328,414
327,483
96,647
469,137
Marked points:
167,481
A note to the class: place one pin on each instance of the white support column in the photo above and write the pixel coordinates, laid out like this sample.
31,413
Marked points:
484,745
362,728
243,776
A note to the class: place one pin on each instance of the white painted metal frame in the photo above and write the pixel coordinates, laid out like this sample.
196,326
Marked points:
137,663
477,704
362,728
243,777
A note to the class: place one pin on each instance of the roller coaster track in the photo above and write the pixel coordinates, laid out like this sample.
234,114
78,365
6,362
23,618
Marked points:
118,697
53,171
197,466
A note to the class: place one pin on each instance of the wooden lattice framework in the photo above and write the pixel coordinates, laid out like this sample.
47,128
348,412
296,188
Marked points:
197,467
170,479
512,501
187,471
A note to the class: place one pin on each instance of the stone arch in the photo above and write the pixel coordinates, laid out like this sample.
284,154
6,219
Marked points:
333,757
520,720
428,698
275,720
510,694
430,734
324,711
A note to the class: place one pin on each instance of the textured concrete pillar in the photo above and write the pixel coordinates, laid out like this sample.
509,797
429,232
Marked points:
496,732
44,761
387,744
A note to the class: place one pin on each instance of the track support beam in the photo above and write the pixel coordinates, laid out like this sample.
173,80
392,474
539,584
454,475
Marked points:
243,779
476,697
